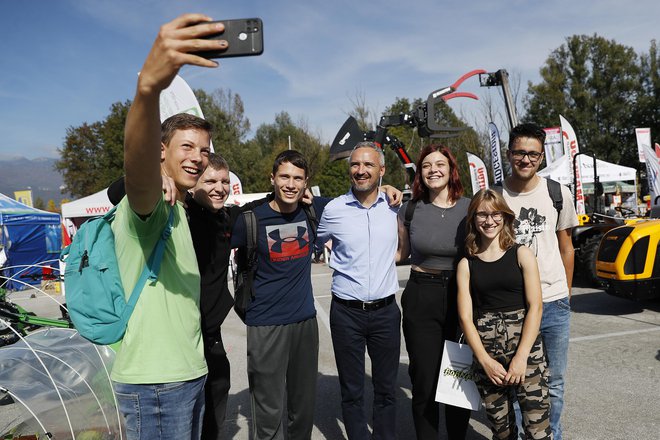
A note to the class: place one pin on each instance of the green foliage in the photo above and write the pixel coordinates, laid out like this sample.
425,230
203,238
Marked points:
39,204
51,206
92,154
647,111
272,139
595,84
333,181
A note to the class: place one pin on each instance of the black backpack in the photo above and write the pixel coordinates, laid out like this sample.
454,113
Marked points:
246,259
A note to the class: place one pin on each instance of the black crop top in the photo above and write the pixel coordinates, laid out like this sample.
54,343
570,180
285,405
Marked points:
498,286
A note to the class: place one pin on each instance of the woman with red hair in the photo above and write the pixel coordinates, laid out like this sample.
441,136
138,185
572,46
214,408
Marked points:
432,233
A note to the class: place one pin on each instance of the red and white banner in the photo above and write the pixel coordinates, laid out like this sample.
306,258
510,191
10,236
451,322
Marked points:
643,140
478,173
495,153
572,148
552,147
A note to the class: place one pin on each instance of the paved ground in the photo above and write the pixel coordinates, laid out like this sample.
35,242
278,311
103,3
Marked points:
613,384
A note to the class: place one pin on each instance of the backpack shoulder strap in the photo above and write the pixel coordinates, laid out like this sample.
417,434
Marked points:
251,231
151,269
410,212
554,190
310,212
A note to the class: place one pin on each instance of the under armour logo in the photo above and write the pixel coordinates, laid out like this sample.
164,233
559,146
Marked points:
279,241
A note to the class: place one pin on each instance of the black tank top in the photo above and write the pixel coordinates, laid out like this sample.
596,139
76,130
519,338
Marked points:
497,286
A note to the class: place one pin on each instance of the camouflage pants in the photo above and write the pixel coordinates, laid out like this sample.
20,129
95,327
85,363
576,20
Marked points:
500,334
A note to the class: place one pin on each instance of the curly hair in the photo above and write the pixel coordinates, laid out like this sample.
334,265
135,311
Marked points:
497,203
421,191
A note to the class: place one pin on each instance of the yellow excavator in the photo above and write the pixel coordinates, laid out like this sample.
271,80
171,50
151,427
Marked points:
627,261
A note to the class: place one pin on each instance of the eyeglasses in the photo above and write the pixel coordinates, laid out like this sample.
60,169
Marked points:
532,155
495,215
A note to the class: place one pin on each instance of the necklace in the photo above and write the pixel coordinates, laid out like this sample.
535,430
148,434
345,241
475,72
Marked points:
444,209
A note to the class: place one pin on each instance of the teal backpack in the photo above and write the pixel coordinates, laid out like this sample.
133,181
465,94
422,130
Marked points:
94,291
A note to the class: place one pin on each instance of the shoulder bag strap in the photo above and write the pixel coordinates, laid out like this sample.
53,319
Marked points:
152,268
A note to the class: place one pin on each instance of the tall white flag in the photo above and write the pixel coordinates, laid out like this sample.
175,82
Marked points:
478,173
571,147
552,147
652,172
643,136
495,153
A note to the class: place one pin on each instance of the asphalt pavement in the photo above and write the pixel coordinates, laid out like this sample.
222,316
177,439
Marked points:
612,388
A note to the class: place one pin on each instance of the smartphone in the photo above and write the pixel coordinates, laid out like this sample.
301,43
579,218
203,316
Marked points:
245,37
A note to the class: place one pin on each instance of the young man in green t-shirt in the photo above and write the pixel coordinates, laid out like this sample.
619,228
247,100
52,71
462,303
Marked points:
159,371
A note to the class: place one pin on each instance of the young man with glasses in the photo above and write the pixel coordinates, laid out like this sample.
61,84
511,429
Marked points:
547,232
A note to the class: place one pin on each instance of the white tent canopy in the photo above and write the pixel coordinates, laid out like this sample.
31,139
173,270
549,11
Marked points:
562,171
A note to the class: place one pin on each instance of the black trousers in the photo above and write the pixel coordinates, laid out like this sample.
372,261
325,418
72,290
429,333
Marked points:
216,390
430,317
379,331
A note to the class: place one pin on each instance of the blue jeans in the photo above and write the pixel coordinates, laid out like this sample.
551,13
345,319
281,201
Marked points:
555,327
162,411
555,330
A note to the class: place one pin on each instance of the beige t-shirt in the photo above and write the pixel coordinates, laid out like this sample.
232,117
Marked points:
536,227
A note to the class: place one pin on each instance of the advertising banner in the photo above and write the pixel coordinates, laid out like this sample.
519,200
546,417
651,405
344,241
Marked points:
478,173
652,172
643,140
495,153
572,148
553,147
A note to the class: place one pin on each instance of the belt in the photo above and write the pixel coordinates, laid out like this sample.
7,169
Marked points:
365,305
443,274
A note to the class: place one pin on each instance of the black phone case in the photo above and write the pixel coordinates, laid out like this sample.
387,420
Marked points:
245,37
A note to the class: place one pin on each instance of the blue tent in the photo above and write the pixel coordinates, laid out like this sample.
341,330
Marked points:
29,236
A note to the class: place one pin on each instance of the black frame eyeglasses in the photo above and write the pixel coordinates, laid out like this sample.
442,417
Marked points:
533,156
482,216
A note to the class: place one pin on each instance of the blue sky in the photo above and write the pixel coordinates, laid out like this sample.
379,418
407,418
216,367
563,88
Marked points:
65,62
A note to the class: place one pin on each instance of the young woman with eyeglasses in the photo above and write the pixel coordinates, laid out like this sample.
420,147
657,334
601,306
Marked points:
432,233
500,307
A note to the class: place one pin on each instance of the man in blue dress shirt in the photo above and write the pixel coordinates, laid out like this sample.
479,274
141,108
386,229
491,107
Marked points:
363,229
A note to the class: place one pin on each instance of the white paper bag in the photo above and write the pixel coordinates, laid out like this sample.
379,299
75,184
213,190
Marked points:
456,380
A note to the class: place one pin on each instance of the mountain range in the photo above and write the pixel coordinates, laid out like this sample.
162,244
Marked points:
38,174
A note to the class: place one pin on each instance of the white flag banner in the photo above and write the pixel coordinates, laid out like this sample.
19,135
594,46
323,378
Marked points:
495,153
235,185
652,172
572,148
478,173
643,140
177,98
552,147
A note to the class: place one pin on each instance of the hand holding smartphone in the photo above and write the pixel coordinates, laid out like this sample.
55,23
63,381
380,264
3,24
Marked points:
244,37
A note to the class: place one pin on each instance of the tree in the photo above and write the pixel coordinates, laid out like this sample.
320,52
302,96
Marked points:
258,154
92,154
39,203
647,110
51,206
226,113
594,83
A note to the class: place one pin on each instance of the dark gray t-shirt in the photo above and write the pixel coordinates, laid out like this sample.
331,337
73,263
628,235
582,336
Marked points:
437,235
